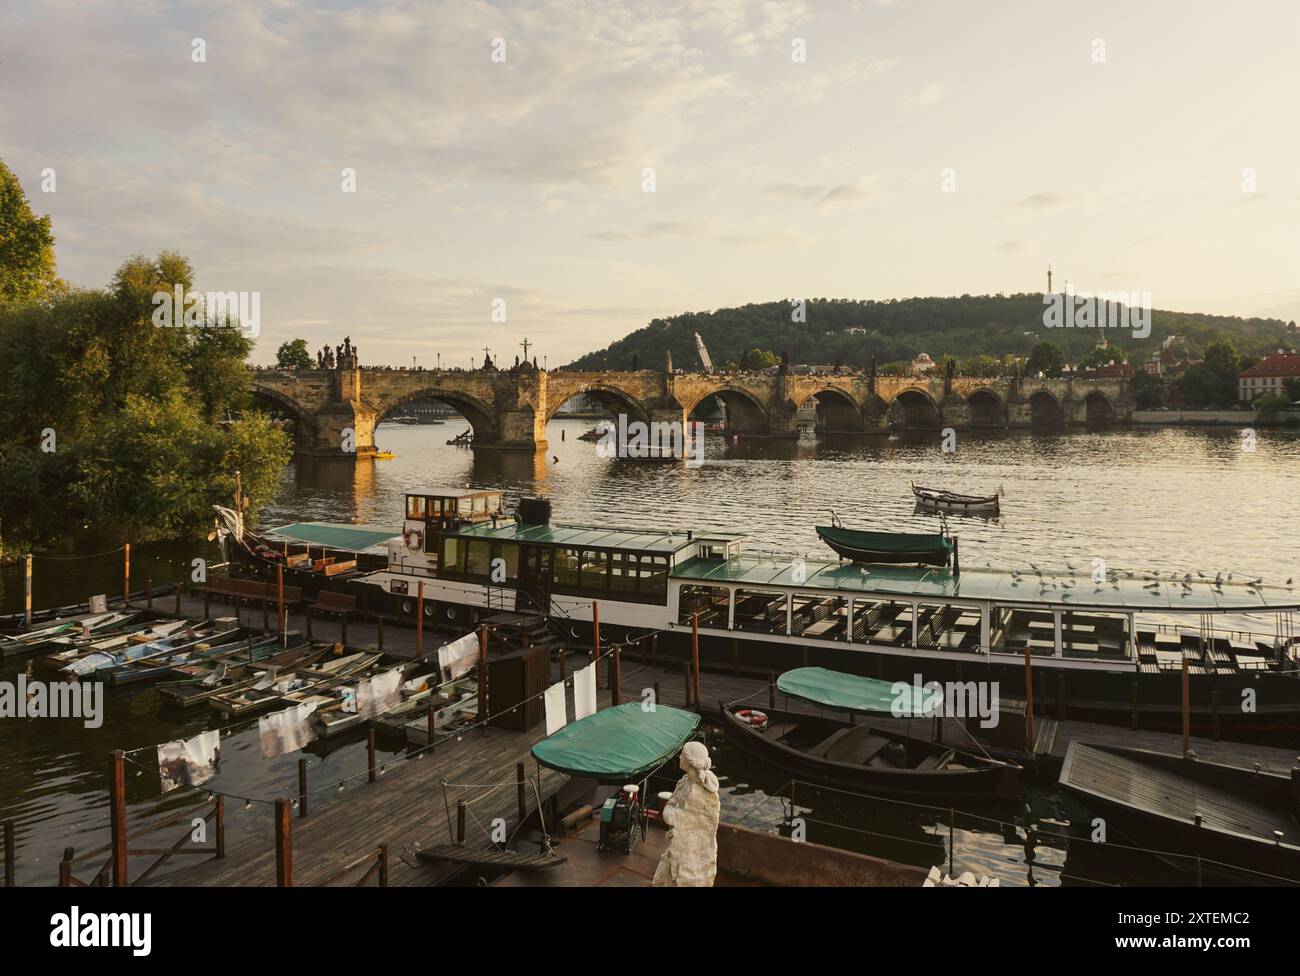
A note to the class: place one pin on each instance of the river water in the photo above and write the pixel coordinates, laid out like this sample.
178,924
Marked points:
1172,500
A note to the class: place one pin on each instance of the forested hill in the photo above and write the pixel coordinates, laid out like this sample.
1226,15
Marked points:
895,330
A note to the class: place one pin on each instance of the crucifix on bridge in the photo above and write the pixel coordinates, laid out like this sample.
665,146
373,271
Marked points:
525,344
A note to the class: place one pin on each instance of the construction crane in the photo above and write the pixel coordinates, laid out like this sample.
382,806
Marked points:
704,354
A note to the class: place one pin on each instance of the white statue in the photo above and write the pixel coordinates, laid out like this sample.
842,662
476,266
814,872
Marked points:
691,859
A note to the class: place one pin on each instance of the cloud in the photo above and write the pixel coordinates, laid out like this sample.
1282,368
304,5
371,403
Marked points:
930,94
1012,247
830,198
686,230
1041,201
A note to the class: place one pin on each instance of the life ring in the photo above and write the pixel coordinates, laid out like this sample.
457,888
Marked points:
753,718
414,538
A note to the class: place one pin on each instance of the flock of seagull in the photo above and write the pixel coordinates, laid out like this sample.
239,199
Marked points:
1154,579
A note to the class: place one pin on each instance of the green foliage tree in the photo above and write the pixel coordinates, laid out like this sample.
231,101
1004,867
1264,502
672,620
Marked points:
1271,405
1147,391
294,355
760,359
1046,358
26,245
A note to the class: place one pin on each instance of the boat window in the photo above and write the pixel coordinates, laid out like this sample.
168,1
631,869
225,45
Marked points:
509,551
1012,629
654,577
479,560
566,568
622,572
450,561
414,507
1102,636
435,507
876,621
822,616
944,627
761,612
594,572
710,602
478,504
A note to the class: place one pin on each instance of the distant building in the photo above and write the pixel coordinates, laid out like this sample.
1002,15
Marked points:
1269,375
1168,363
1110,371
922,364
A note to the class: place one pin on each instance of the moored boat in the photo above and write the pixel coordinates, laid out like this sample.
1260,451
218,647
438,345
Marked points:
940,500
854,755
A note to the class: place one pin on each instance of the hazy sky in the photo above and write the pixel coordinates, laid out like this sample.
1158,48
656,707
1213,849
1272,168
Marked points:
523,180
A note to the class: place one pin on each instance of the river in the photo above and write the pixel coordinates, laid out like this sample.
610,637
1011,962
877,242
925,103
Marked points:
1165,499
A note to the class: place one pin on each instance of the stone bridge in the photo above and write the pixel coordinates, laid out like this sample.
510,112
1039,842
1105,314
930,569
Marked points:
334,409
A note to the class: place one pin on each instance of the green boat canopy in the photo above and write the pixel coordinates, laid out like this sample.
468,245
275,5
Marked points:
851,693
353,538
888,547
619,744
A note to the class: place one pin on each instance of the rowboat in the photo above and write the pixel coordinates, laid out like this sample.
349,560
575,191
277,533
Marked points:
861,546
205,681
69,632
77,647
854,755
272,690
145,670
1225,815
334,720
99,663
939,500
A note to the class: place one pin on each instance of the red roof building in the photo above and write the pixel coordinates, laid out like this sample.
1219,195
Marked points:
1269,375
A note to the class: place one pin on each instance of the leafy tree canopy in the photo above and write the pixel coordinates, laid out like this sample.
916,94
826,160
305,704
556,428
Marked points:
26,245
294,355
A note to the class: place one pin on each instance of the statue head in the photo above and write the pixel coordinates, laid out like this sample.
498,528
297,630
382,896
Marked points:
696,763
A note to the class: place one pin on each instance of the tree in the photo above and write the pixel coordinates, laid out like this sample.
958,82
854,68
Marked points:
26,245
1046,358
294,355
1147,390
757,359
1270,405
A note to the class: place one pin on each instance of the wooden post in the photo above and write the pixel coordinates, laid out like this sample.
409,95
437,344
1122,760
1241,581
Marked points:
302,787
482,677
280,619
370,754
657,698
10,867
616,677
1187,711
654,651
521,781
27,604
595,638
1029,700
283,845
460,822
419,620
148,593
695,654
383,865
117,815
126,575
221,826
379,629
65,868
771,691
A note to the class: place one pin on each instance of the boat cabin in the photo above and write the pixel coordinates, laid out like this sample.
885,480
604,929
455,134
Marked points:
444,508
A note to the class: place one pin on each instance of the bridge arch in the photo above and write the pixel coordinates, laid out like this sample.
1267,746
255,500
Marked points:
837,412
481,416
986,409
612,398
914,408
304,422
745,413
1045,410
1098,408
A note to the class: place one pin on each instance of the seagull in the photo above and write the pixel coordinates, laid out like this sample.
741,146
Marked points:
1289,579
1257,582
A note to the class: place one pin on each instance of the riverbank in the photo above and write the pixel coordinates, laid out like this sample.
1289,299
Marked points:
1210,418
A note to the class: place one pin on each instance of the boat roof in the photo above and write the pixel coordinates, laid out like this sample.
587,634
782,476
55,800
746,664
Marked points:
354,538
930,583
653,541
853,693
619,743
445,492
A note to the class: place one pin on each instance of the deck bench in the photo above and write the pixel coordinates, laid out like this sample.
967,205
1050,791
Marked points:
329,601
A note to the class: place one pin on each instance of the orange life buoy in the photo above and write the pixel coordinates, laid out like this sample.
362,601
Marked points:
414,538
753,718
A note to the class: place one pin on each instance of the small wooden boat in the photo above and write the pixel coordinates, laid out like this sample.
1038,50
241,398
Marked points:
71,633
230,676
74,648
294,687
854,755
861,546
936,499
99,663
145,670
1227,816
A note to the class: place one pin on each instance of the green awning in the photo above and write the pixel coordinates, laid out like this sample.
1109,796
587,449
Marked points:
619,744
852,693
887,547
353,538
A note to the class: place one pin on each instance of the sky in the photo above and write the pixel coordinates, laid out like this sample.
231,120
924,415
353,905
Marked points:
586,166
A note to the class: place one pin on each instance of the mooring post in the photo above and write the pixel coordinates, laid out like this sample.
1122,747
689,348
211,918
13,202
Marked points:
616,677
10,867
1029,700
279,603
419,620
117,814
1187,711
302,787
221,826
148,593
126,575
27,598
695,654
521,794
65,868
595,638
383,865
283,845
460,822
370,754
482,678
657,693
379,630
